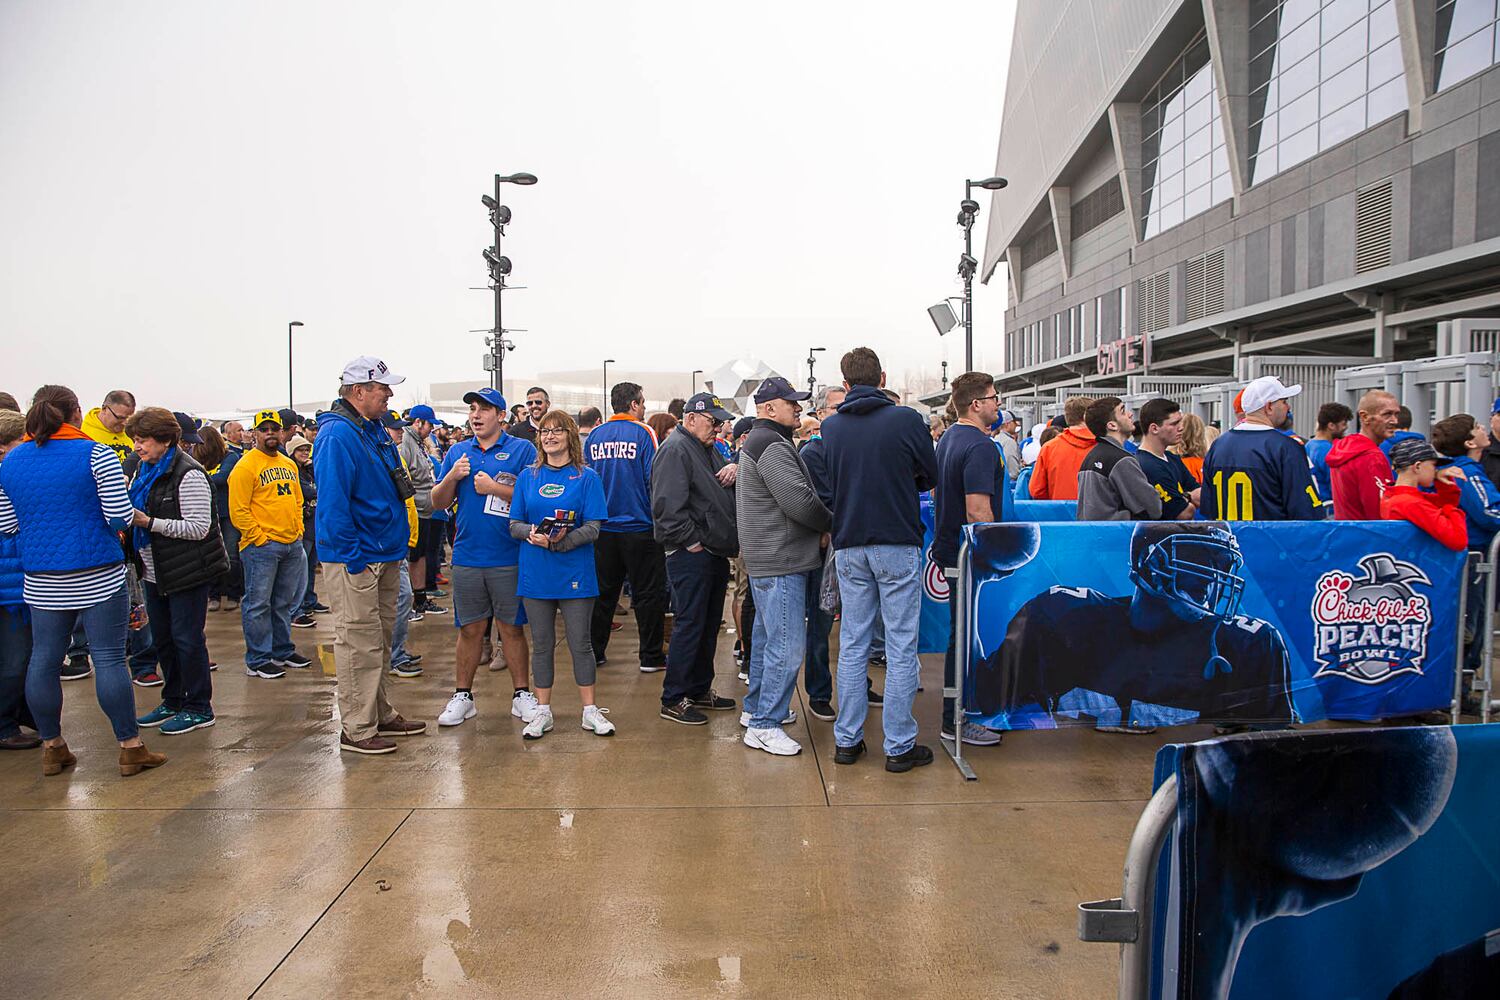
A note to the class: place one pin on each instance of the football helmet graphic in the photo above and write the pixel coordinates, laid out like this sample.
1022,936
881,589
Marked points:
1193,566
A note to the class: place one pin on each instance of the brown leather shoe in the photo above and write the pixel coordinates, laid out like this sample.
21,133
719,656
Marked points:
54,759
20,741
398,726
373,745
134,760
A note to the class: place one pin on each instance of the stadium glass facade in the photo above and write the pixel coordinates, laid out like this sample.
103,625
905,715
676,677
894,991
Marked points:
1204,189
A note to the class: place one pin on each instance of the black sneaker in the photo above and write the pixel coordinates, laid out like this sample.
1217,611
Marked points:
304,620
739,654
848,755
917,756
714,702
429,608
320,608
294,660
821,710
685,713
77,668
874,698
877,659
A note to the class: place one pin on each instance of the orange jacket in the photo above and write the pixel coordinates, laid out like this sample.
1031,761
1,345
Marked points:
1055,476
1438,513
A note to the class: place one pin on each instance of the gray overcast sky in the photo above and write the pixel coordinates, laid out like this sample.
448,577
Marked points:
180,179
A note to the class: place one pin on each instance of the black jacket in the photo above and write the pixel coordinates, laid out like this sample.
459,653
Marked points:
880,456
688,506
1491,462
182,564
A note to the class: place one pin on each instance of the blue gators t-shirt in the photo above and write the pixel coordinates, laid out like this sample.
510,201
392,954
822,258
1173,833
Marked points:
968,462
621,450
483,522
570,494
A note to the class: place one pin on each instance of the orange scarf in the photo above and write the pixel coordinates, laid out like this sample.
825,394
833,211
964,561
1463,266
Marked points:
67,432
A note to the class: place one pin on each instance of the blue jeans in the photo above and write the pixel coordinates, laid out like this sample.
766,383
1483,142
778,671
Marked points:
879,582
105,624
275,575
817,678
140,647
776,650
310,544
399,655
179,619
15,654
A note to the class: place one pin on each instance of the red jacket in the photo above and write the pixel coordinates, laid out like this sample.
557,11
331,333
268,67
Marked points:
1438,513
1360,472
1055,476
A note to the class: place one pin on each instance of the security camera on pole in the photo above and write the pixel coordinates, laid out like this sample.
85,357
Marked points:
968,211
499,268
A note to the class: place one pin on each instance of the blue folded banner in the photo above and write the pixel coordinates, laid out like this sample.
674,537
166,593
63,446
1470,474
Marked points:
1174,622
1343,863
934,625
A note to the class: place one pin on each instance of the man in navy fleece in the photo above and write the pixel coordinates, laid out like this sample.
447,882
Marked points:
879,457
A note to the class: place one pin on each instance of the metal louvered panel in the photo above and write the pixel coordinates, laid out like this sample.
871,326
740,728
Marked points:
1213,282
1316,375
1178,388
1372,227
1153,297
1192,288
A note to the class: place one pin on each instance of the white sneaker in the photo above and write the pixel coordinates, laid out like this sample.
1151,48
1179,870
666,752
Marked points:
791,717
772,741
594,719
524,705
744,677
460,707
976,735
540,722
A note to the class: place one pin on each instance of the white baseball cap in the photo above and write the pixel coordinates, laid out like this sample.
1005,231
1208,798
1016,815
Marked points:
1264,391
367,368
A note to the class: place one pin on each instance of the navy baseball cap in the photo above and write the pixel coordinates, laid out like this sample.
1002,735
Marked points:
189,428
489,397
742,426
421,412
392,419
777,387
707,402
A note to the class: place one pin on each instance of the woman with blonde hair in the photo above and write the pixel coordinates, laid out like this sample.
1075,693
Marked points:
1194,444
557,509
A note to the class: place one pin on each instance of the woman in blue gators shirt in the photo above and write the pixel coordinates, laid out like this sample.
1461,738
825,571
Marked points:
556,510
65,499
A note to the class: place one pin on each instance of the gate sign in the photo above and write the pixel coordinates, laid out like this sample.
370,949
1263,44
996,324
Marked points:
1163,623
1120,356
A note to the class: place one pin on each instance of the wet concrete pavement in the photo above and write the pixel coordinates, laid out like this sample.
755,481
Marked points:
666,861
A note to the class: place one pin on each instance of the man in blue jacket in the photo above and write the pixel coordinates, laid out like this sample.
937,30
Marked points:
362,537
880,457
1464,440
621,450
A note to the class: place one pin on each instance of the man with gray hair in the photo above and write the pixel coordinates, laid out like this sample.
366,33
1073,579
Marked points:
784,527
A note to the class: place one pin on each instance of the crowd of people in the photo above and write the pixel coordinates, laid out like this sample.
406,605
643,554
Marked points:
123,528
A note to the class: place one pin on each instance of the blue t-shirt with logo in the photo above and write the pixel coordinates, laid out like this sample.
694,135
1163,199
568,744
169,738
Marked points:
482,529
567,494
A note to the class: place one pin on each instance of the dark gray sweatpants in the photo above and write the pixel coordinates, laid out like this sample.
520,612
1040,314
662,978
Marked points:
577,614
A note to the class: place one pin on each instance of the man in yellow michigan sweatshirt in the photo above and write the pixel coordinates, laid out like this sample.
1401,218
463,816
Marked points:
265,504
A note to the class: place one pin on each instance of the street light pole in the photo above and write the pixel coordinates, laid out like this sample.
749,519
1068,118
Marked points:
499,267
812,382
968,211
290,400
607,363
696,373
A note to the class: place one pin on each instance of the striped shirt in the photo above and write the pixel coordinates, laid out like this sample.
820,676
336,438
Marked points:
195,500
82,588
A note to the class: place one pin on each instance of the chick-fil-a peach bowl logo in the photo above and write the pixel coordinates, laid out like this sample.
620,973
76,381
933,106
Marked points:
1371,627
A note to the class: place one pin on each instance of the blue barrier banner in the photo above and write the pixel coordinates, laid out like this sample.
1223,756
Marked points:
1162,623
1046,510
1342,863
934,624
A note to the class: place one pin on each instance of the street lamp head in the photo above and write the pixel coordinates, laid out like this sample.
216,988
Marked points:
295,322
500,215
522,179
990,183
499,265
489,202
609,361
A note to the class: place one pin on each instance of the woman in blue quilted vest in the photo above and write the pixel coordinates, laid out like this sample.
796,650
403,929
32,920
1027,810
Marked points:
15,621
64,497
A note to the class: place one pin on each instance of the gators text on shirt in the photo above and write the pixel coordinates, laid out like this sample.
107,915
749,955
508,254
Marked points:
621,451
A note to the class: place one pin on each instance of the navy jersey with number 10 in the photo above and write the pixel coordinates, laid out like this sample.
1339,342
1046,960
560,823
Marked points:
1258,475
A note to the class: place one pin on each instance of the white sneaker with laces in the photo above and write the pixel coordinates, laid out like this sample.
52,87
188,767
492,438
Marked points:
791,717
976,735
460,707
772,741
539,724
594,720
524,705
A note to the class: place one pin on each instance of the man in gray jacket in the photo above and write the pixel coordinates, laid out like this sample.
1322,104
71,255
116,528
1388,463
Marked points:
419,422
783,528
1111,484
692,515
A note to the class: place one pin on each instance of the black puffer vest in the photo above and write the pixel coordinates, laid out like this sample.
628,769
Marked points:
182,564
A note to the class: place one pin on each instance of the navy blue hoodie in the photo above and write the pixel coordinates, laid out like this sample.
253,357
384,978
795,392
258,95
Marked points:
880,456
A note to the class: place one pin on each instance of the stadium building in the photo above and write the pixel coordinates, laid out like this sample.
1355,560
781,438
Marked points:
1202,192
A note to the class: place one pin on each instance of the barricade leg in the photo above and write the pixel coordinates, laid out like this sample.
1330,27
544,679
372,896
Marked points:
1487,625
956,589
1458,642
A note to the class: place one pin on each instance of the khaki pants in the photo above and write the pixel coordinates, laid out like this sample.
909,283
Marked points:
364,613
